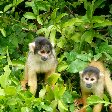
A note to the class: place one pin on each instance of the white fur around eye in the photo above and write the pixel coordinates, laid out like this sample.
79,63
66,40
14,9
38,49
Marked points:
32,46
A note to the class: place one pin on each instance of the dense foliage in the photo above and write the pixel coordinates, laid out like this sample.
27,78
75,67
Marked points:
80,31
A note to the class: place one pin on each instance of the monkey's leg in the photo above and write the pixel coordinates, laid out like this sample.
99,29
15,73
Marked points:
97,108
99,91
84,97
25,78
32,82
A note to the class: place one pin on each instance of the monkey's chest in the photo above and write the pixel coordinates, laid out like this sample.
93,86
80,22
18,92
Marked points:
41,67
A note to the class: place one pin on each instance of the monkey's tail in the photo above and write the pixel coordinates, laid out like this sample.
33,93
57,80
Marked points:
108,83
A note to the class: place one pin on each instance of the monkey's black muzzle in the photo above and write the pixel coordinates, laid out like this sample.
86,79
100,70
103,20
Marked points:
88,85
44,58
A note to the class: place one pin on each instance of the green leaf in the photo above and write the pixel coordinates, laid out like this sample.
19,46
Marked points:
3,32
103,24
97,3
7,7
53,15
29,15
75,67
10,90
25,109
95,100
54,105
2,93
39,20
60,16
88,36
52,79
76,37
89,11
97,56
5,76
63,66
61,106
73,21
42,93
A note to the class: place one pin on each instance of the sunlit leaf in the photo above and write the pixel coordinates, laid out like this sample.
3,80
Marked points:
29,15
7,7
3,32
61,106
53,78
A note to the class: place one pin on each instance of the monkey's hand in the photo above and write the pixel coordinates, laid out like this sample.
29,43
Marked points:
79,101
23,84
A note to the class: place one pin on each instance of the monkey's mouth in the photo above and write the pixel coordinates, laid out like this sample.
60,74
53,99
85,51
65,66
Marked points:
44,58
88,85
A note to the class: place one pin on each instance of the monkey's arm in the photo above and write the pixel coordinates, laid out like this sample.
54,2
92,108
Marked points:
32,81
25,78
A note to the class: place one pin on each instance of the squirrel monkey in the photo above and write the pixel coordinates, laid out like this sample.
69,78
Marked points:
41,59
93,80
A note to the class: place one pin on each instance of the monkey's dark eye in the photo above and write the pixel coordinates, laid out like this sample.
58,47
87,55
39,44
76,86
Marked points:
48,52
42,51
92,79
87,78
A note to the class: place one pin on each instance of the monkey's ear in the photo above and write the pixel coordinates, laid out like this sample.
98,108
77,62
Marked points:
80,72
32,46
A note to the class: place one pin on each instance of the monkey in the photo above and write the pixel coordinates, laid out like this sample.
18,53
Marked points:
41,59
93,80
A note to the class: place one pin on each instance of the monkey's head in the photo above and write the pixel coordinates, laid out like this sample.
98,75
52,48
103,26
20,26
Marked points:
90,76
41,46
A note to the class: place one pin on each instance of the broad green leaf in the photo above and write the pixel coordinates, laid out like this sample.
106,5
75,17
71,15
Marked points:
2,93
72,22
98,3
61,106
10,90
67,97
12,101
59,91
18,2
103,24
52,36
88,36
97,56
84,57
1,12
76,37
49,92
98,19
89,11
58,18
53,15
5,76
76,66
95,100
54,105
25,109
2,57
3,32
42,93
53,78
39,20
29,15
7,7
63,66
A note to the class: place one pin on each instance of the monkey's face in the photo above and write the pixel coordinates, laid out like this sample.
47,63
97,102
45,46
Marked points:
41,47
89,80
44,52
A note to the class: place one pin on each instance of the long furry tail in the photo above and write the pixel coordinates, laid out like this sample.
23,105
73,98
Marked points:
108,83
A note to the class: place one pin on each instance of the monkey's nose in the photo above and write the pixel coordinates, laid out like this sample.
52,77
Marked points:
88,85
44,58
